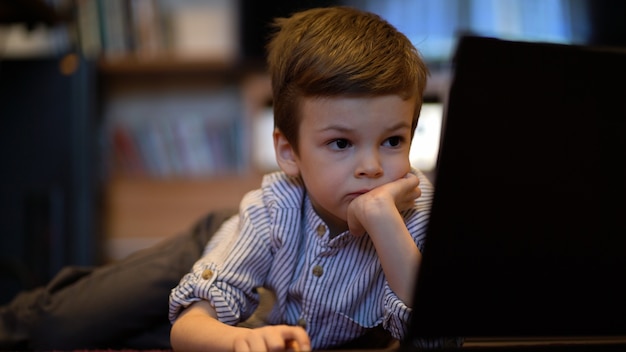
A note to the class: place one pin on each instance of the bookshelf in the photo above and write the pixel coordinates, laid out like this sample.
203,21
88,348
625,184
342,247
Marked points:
187,146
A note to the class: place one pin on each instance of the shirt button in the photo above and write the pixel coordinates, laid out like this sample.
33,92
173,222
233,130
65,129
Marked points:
207,274
321,230
302,323
317,271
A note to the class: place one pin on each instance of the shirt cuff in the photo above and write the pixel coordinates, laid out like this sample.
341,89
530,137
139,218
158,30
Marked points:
397,315
193,287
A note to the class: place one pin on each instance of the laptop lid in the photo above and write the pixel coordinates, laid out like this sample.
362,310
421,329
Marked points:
527,236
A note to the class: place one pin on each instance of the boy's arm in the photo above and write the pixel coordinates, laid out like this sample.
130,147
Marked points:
197,329
378,213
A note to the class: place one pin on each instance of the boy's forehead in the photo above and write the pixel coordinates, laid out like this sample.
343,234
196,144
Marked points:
338,110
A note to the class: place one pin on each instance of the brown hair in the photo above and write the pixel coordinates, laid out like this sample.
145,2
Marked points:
337,51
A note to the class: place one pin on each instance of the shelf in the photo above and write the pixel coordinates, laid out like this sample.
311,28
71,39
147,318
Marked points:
130,66
133,65
130,74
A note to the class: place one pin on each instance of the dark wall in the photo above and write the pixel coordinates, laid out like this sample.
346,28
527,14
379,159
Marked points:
256,17
48,190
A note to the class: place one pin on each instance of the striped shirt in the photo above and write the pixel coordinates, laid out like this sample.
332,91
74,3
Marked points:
335,288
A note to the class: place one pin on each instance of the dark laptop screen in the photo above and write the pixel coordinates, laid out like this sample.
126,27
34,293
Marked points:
528,228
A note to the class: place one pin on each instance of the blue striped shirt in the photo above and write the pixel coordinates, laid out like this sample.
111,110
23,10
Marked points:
335,288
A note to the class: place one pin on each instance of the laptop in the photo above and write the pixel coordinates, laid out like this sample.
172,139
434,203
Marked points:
526,245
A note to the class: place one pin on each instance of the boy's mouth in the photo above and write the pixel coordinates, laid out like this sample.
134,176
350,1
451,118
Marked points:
353,195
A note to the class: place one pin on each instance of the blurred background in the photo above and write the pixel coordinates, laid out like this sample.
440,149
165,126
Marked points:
125,121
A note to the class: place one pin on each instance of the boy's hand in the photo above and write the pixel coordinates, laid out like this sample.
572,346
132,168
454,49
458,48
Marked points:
272,338
377,213
197,329
397,195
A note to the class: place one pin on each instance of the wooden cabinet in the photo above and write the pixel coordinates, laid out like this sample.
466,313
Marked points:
142,211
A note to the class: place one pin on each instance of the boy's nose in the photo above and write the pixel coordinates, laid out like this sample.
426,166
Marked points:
369,165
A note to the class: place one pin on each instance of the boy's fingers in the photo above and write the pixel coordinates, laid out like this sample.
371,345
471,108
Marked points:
298,340
256,343
292,345
413,179
408,186
241,346
407,191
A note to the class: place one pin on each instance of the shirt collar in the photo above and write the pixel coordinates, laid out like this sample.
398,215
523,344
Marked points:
315,226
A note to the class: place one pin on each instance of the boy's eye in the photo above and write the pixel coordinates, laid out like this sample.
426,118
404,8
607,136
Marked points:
393,141
339,144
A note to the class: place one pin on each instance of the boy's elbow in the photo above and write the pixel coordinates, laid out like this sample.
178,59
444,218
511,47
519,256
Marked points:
191,327
178,335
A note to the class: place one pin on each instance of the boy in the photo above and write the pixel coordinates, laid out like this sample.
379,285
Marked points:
336,234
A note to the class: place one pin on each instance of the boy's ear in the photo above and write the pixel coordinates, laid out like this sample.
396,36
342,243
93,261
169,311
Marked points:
285,155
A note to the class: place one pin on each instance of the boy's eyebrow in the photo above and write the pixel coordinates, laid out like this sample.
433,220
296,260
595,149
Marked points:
342,128
335,127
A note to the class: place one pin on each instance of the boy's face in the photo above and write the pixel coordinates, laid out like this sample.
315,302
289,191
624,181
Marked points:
348,146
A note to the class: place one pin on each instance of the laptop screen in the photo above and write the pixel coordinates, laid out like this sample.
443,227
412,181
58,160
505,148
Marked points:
527,236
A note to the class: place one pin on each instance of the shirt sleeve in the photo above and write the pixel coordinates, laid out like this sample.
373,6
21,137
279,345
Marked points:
397,314
235,263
